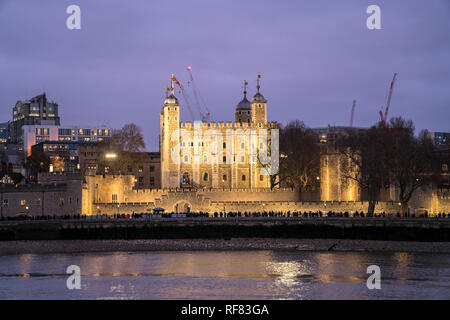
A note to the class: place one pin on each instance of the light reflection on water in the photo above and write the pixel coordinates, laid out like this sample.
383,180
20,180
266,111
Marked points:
226,275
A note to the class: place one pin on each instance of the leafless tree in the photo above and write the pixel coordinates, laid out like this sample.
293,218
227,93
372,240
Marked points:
129,138
413,162
299,157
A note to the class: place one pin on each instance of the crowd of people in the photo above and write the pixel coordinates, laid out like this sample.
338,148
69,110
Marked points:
225,215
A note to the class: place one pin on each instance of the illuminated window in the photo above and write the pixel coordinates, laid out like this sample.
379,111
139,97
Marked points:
38,202
61,201
141,168
23,202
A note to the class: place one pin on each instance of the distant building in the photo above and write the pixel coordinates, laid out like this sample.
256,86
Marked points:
440,138
37,111
144,166
5,132
34,134
63,155
11,178
12,156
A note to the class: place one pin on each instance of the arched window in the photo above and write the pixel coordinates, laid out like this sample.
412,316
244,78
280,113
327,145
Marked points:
224,178
205,176
243,177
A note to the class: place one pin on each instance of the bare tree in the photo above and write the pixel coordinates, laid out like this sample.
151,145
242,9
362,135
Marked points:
367,154
299,157
413,162
129,138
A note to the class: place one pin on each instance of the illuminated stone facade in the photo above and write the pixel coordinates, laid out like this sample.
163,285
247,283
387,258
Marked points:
215,155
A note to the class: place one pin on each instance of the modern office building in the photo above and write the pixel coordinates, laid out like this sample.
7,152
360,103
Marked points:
37,111
34,134
5,133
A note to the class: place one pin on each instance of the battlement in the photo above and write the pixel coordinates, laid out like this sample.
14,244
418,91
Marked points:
223,124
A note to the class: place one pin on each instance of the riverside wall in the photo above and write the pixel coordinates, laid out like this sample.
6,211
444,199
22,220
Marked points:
425,230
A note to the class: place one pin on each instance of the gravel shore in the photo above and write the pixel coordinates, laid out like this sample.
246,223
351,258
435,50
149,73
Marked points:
79,246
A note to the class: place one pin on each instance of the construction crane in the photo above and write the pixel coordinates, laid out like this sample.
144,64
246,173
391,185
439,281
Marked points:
197,96
174,80
352,115
388,104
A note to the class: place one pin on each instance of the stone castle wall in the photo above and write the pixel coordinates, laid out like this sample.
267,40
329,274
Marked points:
115,194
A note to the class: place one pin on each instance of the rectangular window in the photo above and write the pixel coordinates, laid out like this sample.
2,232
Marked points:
64,132
5,202
61,202
38,202
23,202
261,178
152,168
141,168
114,198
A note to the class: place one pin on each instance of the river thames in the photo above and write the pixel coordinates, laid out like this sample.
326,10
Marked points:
226,275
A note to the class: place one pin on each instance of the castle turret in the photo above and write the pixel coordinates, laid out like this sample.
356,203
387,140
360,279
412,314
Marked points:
170,124
244,108
259,106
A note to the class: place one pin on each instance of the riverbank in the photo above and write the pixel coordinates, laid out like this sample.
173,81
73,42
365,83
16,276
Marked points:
420,230
326,245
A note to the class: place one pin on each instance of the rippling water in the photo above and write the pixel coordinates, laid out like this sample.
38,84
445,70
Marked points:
226,275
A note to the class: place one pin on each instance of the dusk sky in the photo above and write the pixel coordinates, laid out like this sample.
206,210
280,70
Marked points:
315,57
